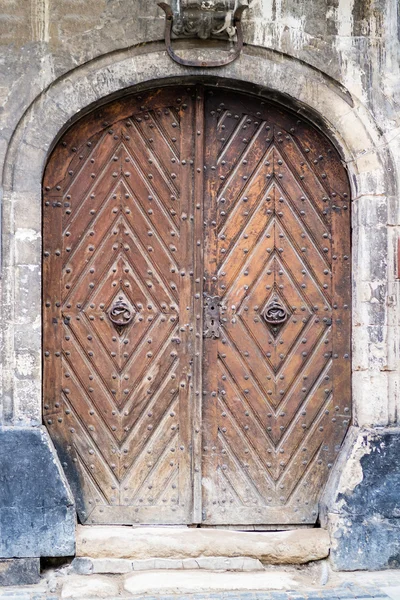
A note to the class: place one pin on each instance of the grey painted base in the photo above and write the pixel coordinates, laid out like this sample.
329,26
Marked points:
368,542
37,513
19,571
361,505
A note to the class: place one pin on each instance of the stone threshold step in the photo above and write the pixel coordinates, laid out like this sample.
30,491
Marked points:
278,547
114,566
157,583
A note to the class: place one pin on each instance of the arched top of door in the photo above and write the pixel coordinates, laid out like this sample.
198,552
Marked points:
284,115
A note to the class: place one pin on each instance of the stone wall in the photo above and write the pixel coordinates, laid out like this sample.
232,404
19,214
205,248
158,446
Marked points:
335,60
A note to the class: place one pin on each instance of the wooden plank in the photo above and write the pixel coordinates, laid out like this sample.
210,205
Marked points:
197,302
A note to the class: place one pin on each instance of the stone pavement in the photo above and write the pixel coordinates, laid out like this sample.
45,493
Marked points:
346,592
382,585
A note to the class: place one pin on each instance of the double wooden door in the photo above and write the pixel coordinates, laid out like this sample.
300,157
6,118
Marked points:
196,302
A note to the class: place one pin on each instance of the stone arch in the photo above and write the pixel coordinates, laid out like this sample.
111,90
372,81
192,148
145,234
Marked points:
343,118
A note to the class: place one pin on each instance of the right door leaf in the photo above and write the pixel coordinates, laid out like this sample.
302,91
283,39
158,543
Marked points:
277,402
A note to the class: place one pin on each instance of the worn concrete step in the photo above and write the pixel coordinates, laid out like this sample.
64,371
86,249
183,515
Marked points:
277,547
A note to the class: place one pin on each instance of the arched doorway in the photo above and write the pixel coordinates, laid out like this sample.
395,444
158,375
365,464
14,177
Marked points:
196,310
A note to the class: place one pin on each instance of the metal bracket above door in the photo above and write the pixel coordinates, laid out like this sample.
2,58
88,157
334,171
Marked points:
236,28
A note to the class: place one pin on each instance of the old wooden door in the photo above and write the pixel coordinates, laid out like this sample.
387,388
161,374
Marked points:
196,310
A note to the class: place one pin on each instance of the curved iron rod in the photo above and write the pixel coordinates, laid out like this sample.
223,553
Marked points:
237,22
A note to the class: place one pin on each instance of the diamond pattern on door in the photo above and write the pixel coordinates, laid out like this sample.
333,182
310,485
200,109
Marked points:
271,421
121,424
196,312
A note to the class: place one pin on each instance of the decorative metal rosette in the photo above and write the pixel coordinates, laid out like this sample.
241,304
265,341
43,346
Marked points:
275,313
121,313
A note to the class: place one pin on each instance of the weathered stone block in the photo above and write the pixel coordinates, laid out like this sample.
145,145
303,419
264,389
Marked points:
200,582
27,365
27,246
37,514
112,565
87,566
19,571
223,563
27,210
28,339
96,586
362,502
82,565
281,547
27,402
27,294
370,211
209,563
372,387
32,161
